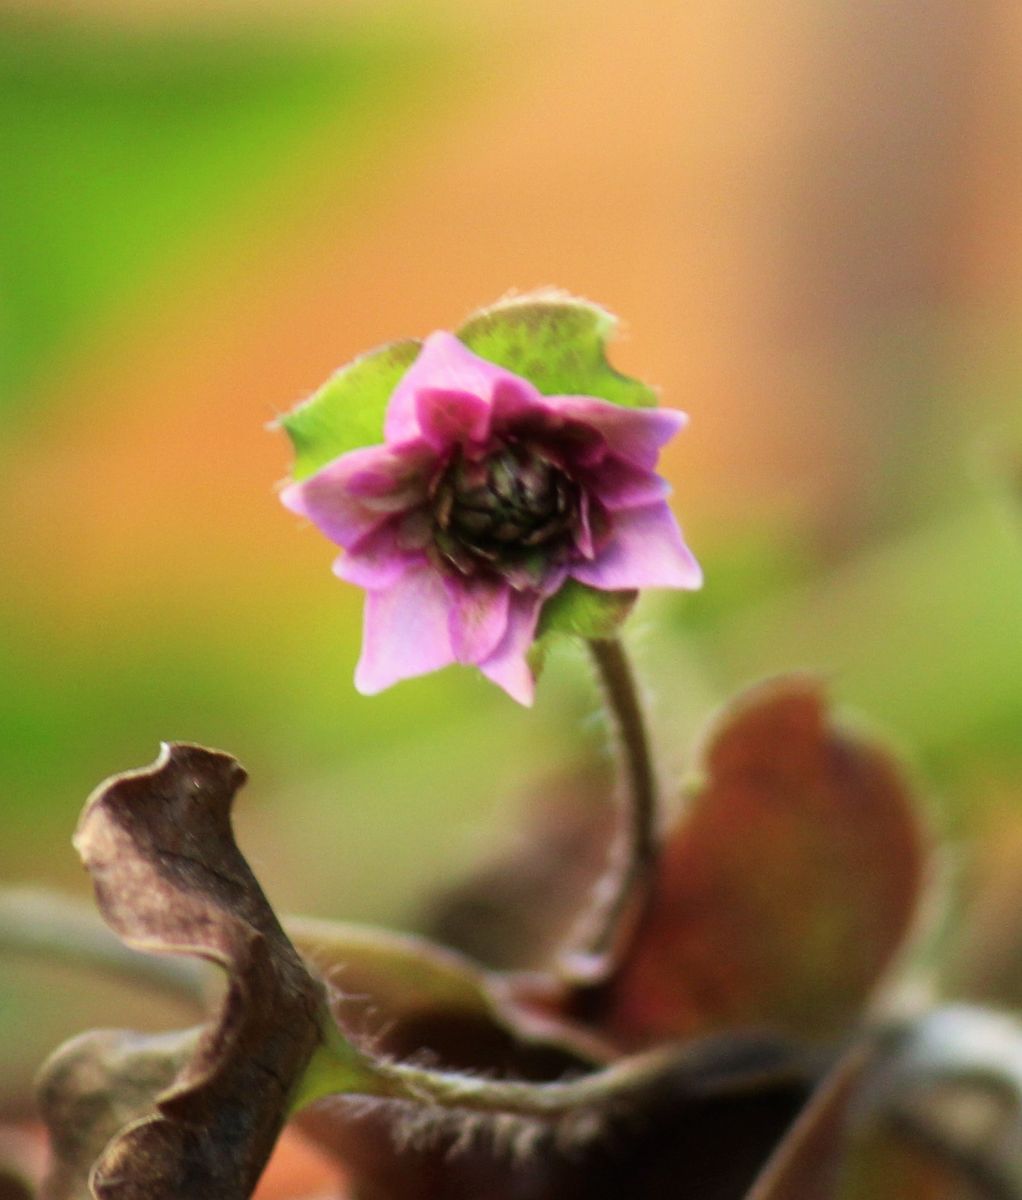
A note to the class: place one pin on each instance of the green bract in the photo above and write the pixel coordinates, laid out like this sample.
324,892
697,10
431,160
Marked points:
348,410
558,344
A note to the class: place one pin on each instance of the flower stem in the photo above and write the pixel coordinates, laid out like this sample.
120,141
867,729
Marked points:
620,895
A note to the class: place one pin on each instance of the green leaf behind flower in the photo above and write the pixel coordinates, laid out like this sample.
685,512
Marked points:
348,410
558,343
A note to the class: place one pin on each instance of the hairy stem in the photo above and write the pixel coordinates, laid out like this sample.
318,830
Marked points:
621,893
472,1093
55,928
334,1072
730,1065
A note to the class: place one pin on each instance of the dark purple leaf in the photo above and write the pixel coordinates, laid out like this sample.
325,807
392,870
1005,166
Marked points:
786,890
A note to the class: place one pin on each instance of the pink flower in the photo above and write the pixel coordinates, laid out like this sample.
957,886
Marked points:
485,497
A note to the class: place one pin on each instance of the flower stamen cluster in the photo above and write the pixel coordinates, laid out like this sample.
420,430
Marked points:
507,514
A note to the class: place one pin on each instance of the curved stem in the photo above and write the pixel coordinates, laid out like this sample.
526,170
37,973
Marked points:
728,1065
59,929
622,892
513,1097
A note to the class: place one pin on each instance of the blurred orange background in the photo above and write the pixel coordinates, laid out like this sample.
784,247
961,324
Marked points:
807,218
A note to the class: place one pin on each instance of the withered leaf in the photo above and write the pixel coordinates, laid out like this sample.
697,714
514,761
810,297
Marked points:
786,889
407,995
169,878
411,998
95,1085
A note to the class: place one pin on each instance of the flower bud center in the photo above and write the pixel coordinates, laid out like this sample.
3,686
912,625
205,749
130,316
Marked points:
499,511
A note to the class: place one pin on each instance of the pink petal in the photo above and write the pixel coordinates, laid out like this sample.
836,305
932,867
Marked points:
552,581
645,550
343,518
478,617
349,497
583,532
508,666
620,484
387,478
636,434
443,363
405,631
515,399
518,408
447,417
377,560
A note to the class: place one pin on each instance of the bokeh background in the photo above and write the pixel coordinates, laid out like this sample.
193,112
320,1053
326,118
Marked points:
807,216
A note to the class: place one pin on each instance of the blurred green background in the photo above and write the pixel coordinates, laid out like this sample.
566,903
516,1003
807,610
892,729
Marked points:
807,217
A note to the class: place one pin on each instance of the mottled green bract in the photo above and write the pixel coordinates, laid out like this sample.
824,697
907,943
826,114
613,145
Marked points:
556,342
348,410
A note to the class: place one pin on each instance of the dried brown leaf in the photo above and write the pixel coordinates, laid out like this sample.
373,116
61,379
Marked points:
405,995
95,1085
714,1111
169,879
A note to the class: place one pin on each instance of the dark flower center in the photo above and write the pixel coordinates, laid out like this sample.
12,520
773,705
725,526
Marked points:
511,511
